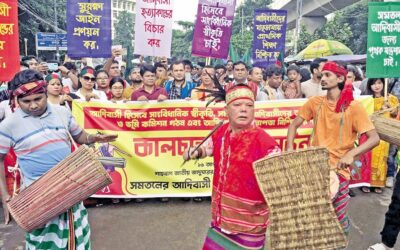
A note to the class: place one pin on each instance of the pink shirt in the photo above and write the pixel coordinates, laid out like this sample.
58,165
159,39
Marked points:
157,91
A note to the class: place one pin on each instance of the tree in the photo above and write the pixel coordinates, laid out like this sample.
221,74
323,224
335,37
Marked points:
181,47
38,16
305,38
124,30
331,30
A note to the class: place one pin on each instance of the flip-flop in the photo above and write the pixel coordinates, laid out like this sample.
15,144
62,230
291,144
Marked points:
365,189
378,190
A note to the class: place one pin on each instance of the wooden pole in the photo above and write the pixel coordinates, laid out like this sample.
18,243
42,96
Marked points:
386,89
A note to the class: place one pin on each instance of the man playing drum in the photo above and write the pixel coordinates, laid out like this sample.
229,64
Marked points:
37,133
338,119
239,211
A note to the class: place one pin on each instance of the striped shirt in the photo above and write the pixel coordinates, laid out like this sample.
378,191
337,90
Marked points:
39,142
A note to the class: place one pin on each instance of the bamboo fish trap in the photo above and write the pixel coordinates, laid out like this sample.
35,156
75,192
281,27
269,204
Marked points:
296,188
388,129
74,179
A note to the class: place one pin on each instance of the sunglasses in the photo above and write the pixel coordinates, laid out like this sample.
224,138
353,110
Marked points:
86,78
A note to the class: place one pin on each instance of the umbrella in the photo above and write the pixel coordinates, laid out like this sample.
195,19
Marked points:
323,48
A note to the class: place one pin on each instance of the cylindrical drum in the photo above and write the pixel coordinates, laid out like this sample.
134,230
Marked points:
72,180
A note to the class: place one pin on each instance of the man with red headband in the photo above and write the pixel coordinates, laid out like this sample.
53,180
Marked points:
338,120
239,211
37,132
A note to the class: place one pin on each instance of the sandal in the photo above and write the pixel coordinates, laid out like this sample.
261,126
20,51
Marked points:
365,189
378,190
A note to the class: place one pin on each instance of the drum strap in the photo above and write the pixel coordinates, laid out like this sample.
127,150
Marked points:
71,234
15,171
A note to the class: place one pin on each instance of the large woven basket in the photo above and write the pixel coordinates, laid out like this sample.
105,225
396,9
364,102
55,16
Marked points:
72,180
296,188
387,128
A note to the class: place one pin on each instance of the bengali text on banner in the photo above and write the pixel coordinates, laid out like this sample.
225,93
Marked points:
383,46
213,29
153,27
89,28
269,36
9,43
153,136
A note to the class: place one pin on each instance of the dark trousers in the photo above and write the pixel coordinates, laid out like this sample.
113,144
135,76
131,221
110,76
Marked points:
392,217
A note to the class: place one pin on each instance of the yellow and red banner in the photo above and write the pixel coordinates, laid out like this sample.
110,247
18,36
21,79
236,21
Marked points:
153,135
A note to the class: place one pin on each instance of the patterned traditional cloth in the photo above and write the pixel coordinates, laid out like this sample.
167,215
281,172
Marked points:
56,233
381,152
341,202
218,240
238,205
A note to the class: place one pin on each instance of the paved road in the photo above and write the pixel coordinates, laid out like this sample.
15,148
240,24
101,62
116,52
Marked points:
182,225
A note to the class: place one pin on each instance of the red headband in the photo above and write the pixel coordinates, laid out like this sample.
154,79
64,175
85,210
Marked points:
335,68
239,92
27,90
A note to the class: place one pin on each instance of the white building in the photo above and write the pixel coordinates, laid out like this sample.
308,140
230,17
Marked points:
117,7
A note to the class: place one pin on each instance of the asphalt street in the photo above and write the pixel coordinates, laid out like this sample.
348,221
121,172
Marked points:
182,225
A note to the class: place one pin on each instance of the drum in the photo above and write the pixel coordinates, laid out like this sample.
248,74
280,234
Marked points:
387,128
72,180
296,188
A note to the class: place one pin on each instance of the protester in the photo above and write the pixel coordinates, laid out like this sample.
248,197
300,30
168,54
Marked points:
179,88
103,83
291,87
273,86
87,91
135,81
69,75
149,91
354,76
117,86
54,90
207,75
305,75
239,216
31,61
379,169
229,70
313,87
256,76
338,119
240,74
391,228
161,74
39,152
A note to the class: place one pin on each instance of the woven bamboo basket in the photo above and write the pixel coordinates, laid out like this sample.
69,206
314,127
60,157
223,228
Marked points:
387,128
74,179
296,188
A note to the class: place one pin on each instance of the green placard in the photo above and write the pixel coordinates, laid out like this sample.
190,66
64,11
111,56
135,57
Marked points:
383,52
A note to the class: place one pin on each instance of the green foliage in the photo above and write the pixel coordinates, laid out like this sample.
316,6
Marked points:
29,15
124,30
305,38
335,29
182,41
242,42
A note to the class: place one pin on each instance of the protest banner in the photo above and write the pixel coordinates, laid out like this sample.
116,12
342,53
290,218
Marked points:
89,28
383,52
155,135
9,42
269,36
213,29
153,27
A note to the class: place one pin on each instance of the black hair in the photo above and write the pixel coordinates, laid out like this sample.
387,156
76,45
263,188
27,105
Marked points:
220,66
293,67
252,69
315,64
355,71
24,77
159,65
101,71
305,74
70,65
187,62
274,70
28,58
372,81
201,64
176,63
147,68
116,79
114,62
24,64
240,63
99,67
